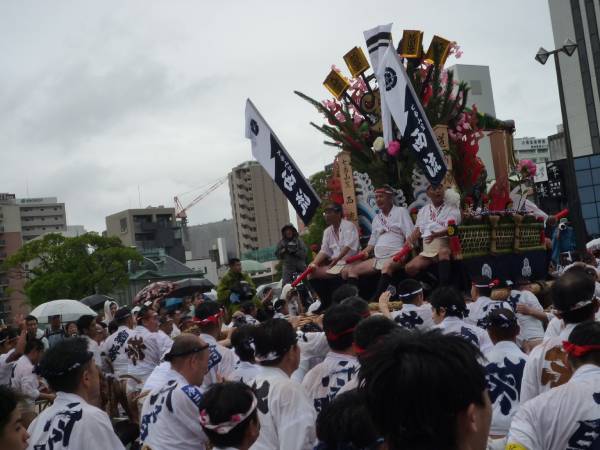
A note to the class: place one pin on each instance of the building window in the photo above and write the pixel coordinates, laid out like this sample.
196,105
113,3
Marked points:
123,223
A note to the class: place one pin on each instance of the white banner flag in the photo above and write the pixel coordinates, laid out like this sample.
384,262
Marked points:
271,154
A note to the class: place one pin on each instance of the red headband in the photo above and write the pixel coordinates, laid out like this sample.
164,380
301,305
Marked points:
579,350
358,349
331,336
210,319
384,191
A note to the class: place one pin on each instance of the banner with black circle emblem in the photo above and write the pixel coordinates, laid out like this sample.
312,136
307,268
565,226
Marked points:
270,153
399,96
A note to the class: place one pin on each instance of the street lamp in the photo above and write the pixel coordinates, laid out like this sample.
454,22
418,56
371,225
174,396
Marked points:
542,56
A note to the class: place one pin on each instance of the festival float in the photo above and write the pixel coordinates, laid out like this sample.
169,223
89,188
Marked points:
430,133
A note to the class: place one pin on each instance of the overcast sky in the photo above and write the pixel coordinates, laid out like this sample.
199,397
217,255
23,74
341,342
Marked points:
100,97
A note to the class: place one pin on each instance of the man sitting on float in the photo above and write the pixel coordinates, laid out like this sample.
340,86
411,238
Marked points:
340,240
432,227
391,228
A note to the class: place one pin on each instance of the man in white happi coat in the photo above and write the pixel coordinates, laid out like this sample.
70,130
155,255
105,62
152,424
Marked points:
113,349
12,346
73,421
287,417
530,314
170,415
432,226
415,314
221,361
340,241
574,300
504,371
145,348
482,305
324,381
568,416
391,228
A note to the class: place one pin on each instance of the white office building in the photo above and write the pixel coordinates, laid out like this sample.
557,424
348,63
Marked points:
535,149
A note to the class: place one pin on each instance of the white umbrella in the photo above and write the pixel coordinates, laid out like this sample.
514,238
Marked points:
594,244
68,310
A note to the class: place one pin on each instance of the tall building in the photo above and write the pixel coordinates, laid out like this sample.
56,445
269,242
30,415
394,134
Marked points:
21,220
535,149
258,207
203,239
148,229
556,144
578,20
479,80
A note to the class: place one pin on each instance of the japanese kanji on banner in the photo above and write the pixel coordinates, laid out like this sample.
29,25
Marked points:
401,100
270,153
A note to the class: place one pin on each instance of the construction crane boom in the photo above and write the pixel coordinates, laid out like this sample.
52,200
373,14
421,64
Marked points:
181,211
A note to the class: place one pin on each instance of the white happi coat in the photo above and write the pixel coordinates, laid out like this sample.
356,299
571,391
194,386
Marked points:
170,416
114,349
245,372
145,350
287,417
531,328
347,236
504,372
95,349
546,367
221,361
6,368
475,335
313,349
414,317
24,381
388,233
479,309
159,376
564,418
431,219
72,423
554,328
324,381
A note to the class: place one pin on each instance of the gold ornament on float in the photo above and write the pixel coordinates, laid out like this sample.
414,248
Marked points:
438,51
356,61
411,45
336,83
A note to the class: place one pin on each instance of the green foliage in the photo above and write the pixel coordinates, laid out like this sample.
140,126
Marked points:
62,267
315,230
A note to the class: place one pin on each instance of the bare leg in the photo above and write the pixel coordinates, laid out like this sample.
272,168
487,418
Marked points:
320,273
416,265
357,270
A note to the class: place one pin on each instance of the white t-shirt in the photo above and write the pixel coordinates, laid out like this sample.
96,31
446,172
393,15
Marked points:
531,328
414,317
221,361
145,350
504,372
479,309
6,368
324,381
72,423
475,335
431,219
388,233
114,349
566,417
23,380
170,416
333,242
287,417
547,366
245,372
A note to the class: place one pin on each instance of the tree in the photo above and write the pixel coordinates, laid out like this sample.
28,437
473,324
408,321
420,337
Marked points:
314,235
61,267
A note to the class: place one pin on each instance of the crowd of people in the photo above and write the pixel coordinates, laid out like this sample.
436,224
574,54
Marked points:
418,369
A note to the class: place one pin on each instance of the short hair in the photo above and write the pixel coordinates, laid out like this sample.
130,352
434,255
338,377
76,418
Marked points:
85,322
272,340
184,345
9,399
112,326
502,322
247,307
233,261
222,401
339,322
205,310
63,364
31,318
372,330
279,304
451,300
357,304
484,285
33,344
416,383
346,423
409,290
242,341
8,334
569,290
586,333
344,291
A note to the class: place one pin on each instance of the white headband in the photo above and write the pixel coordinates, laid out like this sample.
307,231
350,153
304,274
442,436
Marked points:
410,294
226,427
